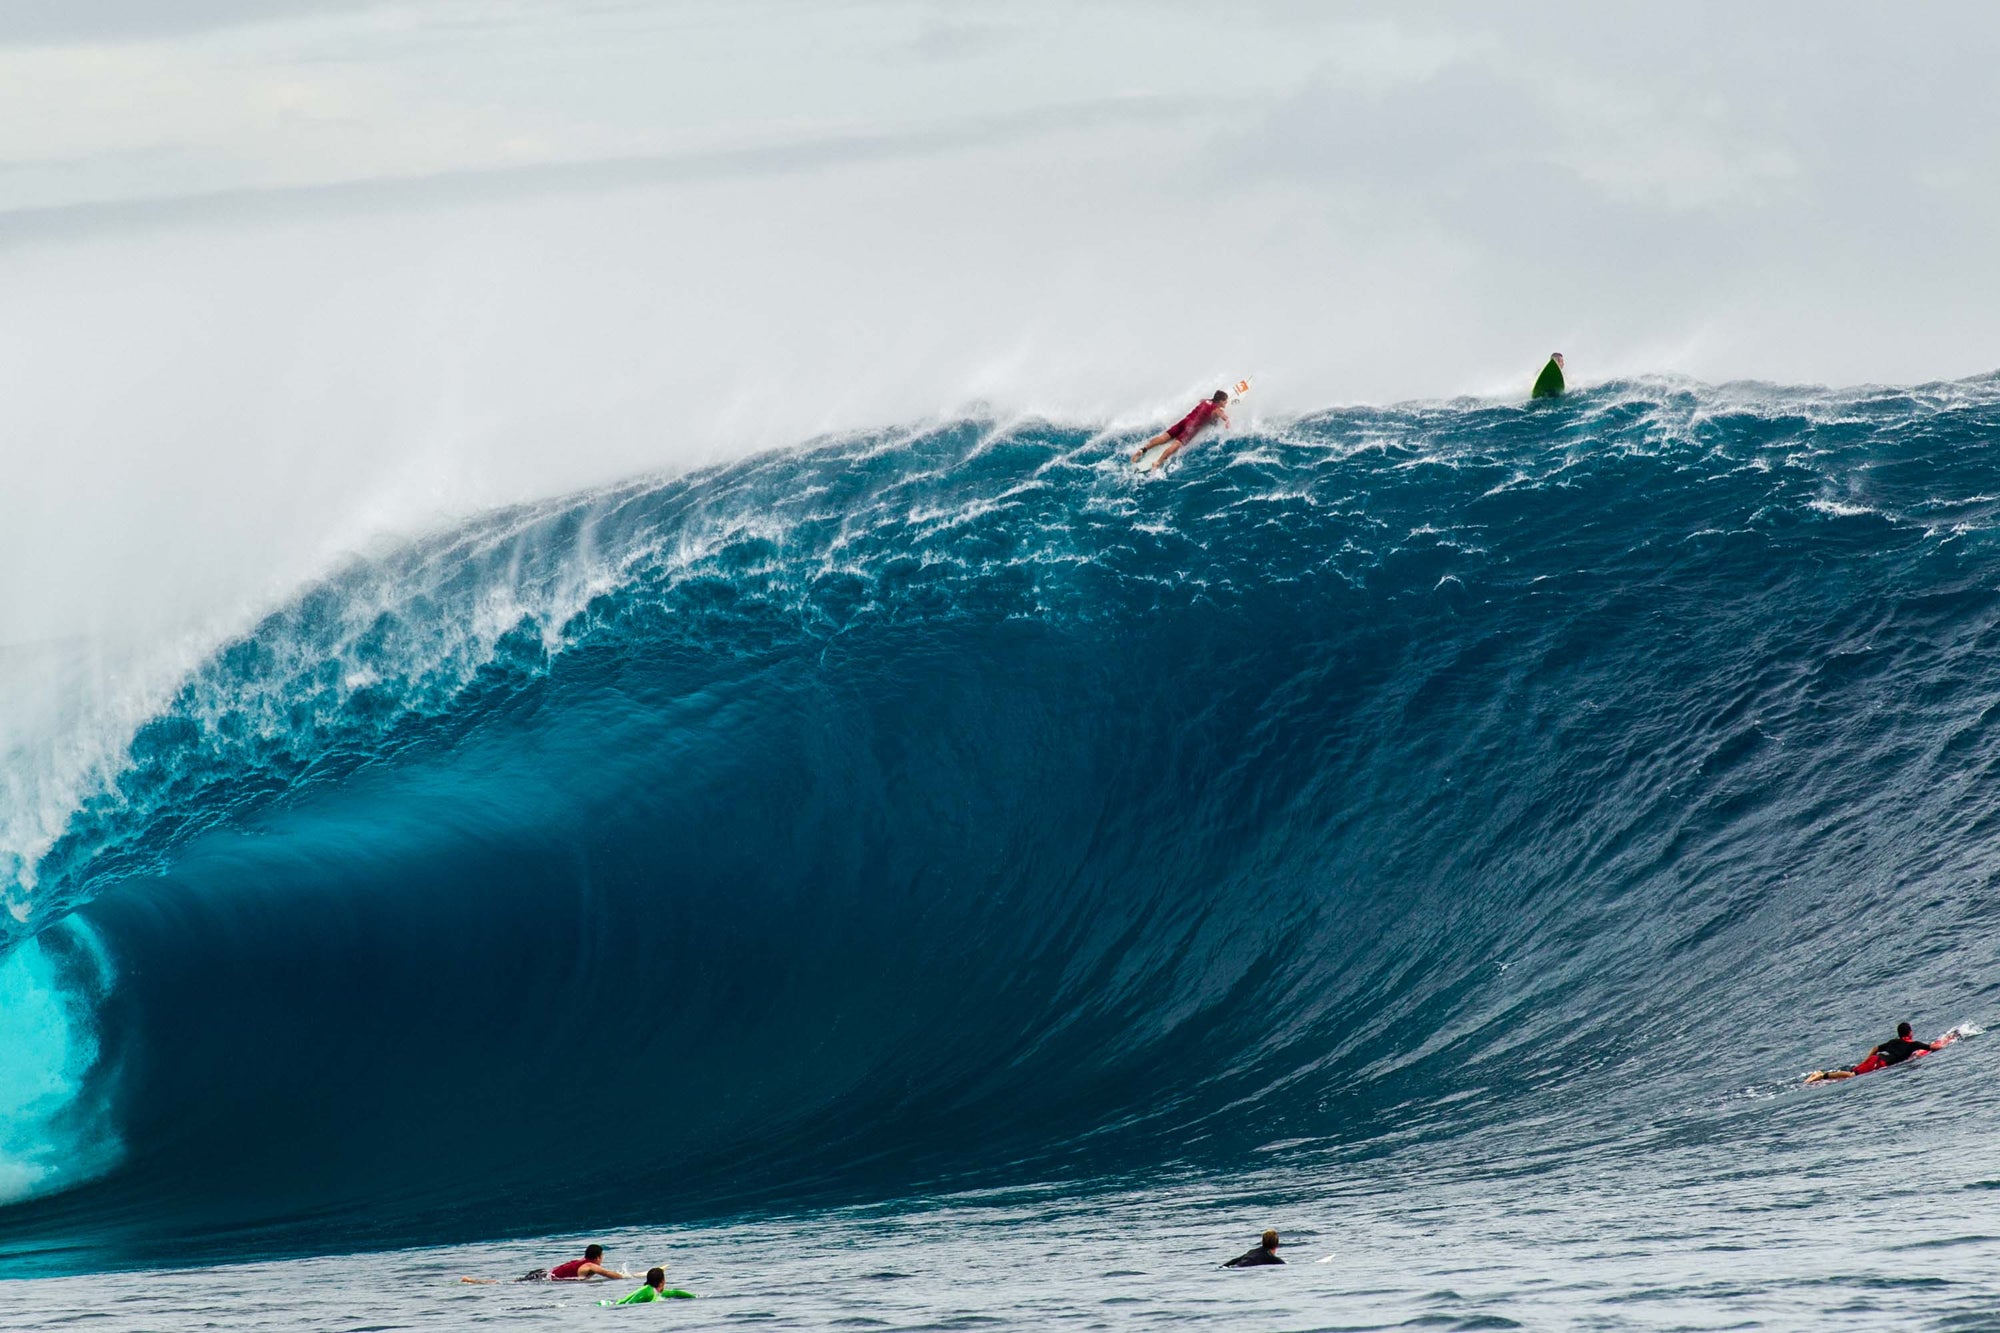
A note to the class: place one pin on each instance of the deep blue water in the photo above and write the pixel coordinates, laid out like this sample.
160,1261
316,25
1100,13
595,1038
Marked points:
1385,801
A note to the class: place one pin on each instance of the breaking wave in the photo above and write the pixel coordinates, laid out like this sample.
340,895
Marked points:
948,805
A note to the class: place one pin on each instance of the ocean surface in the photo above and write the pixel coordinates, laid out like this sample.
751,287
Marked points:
942,879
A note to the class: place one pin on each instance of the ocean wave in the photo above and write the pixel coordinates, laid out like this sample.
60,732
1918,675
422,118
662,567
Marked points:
955,803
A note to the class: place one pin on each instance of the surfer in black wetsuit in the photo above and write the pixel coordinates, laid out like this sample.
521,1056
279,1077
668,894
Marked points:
1266,1253
1892,1052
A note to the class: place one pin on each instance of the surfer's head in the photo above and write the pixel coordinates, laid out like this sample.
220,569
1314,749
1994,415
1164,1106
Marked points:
1556,357
1270,1240
592,1253
1221,396
656,1277
1903,1031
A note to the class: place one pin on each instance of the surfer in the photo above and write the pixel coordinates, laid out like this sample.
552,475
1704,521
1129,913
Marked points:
1265,1253
655,1290
1549,384
1892,1052
1185,429
574,1270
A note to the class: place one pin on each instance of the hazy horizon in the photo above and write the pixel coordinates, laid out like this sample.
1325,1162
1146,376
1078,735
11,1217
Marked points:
287,278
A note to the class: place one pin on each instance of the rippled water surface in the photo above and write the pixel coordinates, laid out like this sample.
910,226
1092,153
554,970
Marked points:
1734,1214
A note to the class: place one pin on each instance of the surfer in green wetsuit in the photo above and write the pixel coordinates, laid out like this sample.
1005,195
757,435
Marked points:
1549,384
656,1289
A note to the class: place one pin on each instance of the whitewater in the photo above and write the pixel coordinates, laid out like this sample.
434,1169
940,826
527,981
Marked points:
934,877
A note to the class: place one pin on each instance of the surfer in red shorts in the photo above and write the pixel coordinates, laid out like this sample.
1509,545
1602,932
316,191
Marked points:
1892,1052
1185,429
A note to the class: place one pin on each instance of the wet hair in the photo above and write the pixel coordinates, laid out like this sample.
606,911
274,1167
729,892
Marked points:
592,1253
656,1277
1903,1031
1221,396
1270,1240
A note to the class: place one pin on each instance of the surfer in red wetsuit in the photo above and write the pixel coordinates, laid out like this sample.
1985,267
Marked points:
1186,428
574,1270
1892,1052
577,1270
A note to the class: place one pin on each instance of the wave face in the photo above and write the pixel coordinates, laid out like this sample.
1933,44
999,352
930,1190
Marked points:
951,806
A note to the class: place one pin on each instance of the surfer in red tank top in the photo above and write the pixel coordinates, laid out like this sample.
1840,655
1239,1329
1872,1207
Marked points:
1185,429
576,1270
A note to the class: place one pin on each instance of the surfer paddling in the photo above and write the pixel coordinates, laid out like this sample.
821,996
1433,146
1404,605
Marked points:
1204,414
574,1270
1265,1253
1899,1048
656,1289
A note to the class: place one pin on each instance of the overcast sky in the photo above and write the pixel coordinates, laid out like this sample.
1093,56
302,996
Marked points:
278,278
